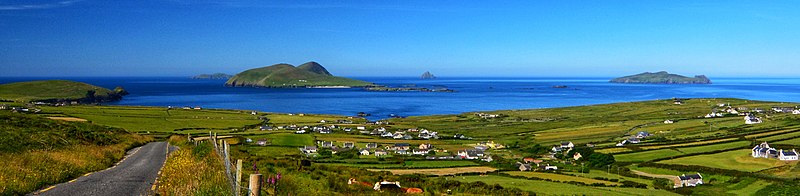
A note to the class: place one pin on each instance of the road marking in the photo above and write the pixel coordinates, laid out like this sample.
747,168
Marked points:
47,189
73,180
90,173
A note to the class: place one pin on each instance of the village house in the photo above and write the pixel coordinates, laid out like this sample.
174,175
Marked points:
420,152
796,111
348,145
197,108
408,137
372,145
309,149
387,134
643,134
248,140
401,146
751,119
548,167
380,152
785,155
470,153
525,167
690,180
265,128
577,156
622,143
425,146
397,136
782,109
633,140
764,151
568,145
300,132
327,144
361,128
402,152
668,122
364,152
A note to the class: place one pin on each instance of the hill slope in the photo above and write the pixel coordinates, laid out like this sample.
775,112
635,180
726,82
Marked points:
288,76
661,78
58,90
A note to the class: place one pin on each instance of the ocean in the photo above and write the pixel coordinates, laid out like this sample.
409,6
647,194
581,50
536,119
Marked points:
472,94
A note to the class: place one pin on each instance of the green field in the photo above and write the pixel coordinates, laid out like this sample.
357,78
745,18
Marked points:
664,153
555,188
291,139
795,141
610,175
53,90
155,119
560,177
409,164
733,160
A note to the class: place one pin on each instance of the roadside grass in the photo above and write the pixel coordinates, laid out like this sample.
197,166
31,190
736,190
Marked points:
555,188
734,160
665,153
193,170
560,177
156,119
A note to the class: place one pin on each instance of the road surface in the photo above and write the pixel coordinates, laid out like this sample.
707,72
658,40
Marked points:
134,175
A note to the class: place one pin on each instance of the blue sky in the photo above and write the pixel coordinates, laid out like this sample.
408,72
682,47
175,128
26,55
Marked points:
400,38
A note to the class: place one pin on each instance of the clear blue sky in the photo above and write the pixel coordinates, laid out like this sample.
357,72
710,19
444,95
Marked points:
400,38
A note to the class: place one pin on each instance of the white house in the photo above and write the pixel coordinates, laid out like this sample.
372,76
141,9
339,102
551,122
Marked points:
569,145
764,151
364,152
380,152
309,149
668,122
785,155
419,152
361,128
751,119
795,111
691,180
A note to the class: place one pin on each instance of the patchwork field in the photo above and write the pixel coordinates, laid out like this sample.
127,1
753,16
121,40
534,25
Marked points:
560,177
555,188
665,153
439,172
734,160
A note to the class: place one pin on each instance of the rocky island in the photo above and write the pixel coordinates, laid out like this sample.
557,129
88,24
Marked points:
661,78
307,75
214,76
58,91
427,75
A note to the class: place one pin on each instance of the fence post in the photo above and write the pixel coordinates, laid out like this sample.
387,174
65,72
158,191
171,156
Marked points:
238,177
255,184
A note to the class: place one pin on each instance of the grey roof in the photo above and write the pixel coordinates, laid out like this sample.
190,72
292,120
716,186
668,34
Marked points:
690,177
789,153
401,144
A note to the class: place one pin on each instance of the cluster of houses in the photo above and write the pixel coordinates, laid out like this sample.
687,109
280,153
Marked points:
528,164
20,109
764,151
371,149
187,107
749,116
487,116
402,134
635,139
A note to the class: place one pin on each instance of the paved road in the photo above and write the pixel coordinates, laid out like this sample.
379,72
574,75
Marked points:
133,176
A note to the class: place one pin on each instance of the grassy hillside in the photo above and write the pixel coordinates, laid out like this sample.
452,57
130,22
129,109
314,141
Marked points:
662,78
38,152
287,76
56,90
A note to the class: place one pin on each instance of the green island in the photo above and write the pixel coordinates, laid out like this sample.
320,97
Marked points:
661,77
554,151
53,91
307,75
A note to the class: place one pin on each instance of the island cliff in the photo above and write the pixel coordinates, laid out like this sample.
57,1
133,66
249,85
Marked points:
661,78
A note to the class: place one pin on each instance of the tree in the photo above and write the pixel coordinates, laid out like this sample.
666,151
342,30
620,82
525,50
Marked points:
600,160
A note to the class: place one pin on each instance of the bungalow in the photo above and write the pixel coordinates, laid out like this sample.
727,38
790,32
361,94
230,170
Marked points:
690,180
785,155
567,145
253,113
577,156
348,145
265,128
248,140
642,134
197,108
364,152
751,119
402,152
261,142
782,109
348,129
525,167
795,111
668,122
380,152
633,140
425,146
327,144
300,132
309,149
361,128
401,146
387,134
548,167
470,153
678,102
372,145
397,136
556,149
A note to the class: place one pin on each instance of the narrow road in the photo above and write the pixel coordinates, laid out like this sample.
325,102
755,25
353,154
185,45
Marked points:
133,176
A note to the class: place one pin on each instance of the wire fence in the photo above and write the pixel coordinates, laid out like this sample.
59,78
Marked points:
234,177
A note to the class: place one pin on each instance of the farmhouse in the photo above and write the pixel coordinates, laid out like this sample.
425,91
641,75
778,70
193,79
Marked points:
364,152
690,180
668,122
261,142
633,140
643,134
785,155
419,152
327,144
387,134
401,146
548,167
525,167
372,145
764,151
751,119
678,102
380,152
470,153
309,149
348,145
796,112
568,145
361,128
577,156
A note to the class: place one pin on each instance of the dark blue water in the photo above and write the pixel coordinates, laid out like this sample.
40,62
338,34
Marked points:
473,94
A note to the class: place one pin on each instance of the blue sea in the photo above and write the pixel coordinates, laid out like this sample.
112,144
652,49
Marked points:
472,94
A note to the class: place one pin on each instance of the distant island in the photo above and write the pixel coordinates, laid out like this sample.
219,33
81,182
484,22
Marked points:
214,76
661,78
58,91
427,75
307,75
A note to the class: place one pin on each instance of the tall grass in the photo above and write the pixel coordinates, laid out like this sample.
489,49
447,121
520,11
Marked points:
193,170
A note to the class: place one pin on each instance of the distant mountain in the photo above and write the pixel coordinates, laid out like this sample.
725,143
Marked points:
58,90
214,76
661,78
310,74
427,75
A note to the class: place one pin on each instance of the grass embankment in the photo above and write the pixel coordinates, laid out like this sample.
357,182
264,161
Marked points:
193,170
39,152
